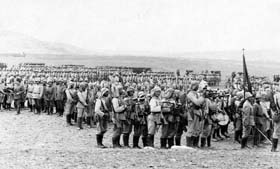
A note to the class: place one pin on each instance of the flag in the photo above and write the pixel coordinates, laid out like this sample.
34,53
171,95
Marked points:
246,79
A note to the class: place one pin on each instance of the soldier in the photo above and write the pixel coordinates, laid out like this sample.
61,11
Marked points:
71,101
59,97
102,116
82,104
247,118
168,129
180,115
195,115
37,94
118,115
276,121
29,95
18,94
129,115
154,116
91,103
140,123
49,97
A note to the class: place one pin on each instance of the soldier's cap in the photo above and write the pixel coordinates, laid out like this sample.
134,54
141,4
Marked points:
104,90
141,95
156,89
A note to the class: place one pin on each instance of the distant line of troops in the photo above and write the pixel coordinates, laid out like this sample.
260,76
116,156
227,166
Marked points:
167,108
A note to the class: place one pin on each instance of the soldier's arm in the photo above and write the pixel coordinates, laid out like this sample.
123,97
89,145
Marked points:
97,108
117,108
196,101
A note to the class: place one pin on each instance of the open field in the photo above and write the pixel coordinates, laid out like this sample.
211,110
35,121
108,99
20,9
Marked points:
41,141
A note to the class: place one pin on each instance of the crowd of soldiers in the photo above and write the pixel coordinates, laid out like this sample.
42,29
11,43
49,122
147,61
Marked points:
148,107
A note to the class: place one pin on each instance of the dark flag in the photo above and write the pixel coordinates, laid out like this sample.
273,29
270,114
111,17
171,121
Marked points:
246,79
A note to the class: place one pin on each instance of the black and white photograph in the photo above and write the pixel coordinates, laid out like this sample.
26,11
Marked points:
139,84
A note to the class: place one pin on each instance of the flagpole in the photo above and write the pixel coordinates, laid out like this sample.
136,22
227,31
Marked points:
243,74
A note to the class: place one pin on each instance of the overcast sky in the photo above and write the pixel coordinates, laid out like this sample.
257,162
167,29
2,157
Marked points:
169,26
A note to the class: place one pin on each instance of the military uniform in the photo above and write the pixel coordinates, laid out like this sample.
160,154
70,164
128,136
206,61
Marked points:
248,120
140,122
102,116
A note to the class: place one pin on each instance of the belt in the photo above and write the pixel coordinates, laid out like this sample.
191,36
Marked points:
155,112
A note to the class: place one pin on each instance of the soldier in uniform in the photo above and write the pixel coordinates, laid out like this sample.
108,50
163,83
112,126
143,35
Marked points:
118,115
37,94
140,122
247,118
195,115
276,121
91,103
71,101
168,129
82,104
18,94
59,97
29,95
154,116
49,98
102,116
129,115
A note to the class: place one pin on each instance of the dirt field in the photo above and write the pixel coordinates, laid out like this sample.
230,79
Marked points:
41,141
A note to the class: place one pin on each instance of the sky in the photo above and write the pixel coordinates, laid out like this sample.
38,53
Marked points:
147,26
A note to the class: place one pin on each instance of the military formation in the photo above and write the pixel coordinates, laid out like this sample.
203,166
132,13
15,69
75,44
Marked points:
141,107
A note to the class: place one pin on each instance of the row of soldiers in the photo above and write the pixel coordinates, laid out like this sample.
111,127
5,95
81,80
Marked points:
130,108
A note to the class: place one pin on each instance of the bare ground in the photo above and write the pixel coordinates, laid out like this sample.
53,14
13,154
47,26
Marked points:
42,141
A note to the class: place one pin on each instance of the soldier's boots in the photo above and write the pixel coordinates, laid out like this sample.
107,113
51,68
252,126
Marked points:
68,120
99,139
115,142
136,141
89,122
202,142
80,121
150,140
209,141
170,142
178,141
126,140
118,141
237,136
195,141
274,145
144,141
244,142
189,141
163,142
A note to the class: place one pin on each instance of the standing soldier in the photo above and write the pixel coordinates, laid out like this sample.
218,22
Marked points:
154,116
71,101
82,104
29,95
140,122
129,115
168,129
59,94
49,97
195,115
118,116
37,94
276,121
180,115
18,94
102,116
247,118
91,103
